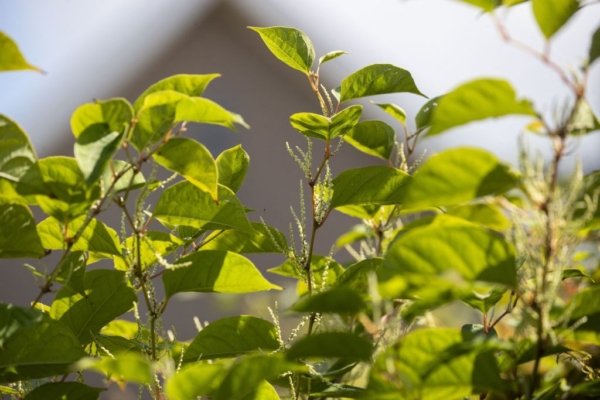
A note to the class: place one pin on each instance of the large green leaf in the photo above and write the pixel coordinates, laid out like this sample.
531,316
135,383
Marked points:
456,176
474,101
16,152
11,58
238,241
489,215
369,185
231,337
18,236
320,127
195,380
71,271
113,115
123,368
331,345
551,15
421,367
34,346
232,165
96,237
205,111
93,151
64,391
337,300
451,249
191,85
372,137
594,52
377,79
152,245
185,204
214,271
191,160
289,45
107,295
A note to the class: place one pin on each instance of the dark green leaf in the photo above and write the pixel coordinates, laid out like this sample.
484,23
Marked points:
585,304
242,242
369,185
473,332
18,236
424,116
64,391
320,127
94,150
377,79
195,380
96,237
483,300
231,337
232,165
126,367
185,204
191,160
14,318
372,137
474,101
107,296
331,345
590,388
214,271
191,85
594,52
334,301
11,58
289,45
356,276
71,272
551,15
456,176
574,273
16,152
107,116
330,56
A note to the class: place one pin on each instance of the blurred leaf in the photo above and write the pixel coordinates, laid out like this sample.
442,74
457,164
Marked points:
289,45
377,79
195,380
551,15
126,367
471,332
330,56
485,214
331,345
64,391
584,120
324,128
232,337
214,271
232,165
334,301
356,233
319,264
191,85
356,276
594,52
574,273
474,101
424,116
11,58
185,204
483,302
191,160
485,5
18,235
458,175
341,390
107,296
242,242
375,138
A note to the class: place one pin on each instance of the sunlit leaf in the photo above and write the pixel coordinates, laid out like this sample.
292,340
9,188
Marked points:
11,58
551,15
152,245
320,127
191,85
330,56
232,165
126,367
338,301
16,152
398,113
112,115
289,45
242,242
485,214
195,380
377,79
372,137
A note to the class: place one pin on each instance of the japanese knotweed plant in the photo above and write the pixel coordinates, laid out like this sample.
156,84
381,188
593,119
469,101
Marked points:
460,228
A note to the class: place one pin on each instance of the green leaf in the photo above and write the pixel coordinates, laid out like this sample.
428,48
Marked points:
584,120
249,373
372,137
11,58
8,390
36,346
94,150
191,85
356,276
356,233
458,175
423,118
116,345
589,388
191,160
472,332
185,204
289,45
18,236
489,215
594,52
243,242
195,380
152,243
205,111
232,337
126,367
330,56
130,179
485,5
214,271
377,79
320,127
96,237
369,185
463,252
334,301
585,304
71,272
331,345
551,15
113,115
16,152
483,300
64,391
232,165
474,101
319,264
574,273
340,390
393,110
107,296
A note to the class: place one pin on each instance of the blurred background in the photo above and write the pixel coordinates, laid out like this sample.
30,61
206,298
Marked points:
97,50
